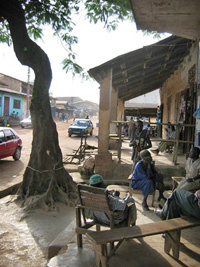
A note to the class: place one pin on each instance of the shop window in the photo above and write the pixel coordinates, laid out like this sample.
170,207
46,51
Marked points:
16,104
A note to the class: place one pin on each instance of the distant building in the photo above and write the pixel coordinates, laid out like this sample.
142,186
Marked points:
13,96
76,107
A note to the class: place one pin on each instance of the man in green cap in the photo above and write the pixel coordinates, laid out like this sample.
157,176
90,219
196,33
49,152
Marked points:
116,204
96,180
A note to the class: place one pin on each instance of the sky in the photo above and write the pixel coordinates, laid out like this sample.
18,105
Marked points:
96,45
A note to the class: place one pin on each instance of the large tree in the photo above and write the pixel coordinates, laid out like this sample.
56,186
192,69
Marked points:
45,180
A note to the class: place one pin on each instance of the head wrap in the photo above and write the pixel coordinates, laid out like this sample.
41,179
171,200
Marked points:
145,153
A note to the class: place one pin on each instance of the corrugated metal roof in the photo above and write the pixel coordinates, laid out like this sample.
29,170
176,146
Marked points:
146,69
178,17
140,105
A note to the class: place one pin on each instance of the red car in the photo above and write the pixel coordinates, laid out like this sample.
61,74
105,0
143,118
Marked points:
10,143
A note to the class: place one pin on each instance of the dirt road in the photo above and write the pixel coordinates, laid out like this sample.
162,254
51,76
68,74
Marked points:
11,170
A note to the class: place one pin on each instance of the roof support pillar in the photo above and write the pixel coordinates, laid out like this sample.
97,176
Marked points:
104,112
103,161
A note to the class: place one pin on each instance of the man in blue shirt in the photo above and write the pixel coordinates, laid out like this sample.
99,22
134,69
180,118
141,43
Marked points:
147,179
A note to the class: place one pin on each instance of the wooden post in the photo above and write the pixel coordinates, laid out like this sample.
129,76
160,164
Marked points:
176,145
120,142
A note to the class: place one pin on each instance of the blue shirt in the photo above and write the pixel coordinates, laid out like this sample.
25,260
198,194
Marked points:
143,178
141,171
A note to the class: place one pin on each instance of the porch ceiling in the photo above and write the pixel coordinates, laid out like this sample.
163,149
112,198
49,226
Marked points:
179,17
146,69
141,112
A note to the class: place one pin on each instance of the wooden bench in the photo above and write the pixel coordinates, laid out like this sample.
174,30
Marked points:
176,181
136,191
172,229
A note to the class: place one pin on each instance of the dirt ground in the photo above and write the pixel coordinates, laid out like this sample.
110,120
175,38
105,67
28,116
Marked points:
24,237
13,170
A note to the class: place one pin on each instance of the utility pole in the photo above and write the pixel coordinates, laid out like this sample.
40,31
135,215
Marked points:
28,93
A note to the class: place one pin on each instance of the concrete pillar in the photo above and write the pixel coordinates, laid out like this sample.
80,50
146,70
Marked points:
104,112
103,161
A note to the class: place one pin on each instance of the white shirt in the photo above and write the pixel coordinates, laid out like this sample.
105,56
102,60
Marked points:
192,168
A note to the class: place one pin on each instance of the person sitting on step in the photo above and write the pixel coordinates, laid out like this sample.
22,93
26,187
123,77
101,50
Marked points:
170,135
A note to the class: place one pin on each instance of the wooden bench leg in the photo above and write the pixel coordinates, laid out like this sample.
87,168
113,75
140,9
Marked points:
174,185
79,241
153,198
112,246
98,228
78,224
101,255
172,241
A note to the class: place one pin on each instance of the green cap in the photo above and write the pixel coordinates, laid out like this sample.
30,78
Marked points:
96,179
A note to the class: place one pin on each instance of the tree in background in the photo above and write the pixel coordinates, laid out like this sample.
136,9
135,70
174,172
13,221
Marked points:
45,180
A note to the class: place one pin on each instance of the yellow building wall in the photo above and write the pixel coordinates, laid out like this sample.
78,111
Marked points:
176,84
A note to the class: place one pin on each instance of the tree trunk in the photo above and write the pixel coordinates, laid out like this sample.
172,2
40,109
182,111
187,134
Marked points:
45,180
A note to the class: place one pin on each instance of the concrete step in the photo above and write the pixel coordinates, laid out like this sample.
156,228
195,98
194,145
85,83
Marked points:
121,178
62,239
78,178
71,167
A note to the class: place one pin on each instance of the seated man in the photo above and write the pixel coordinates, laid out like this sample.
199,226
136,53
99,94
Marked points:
116,204
191,181
170,135
180,203
147,179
